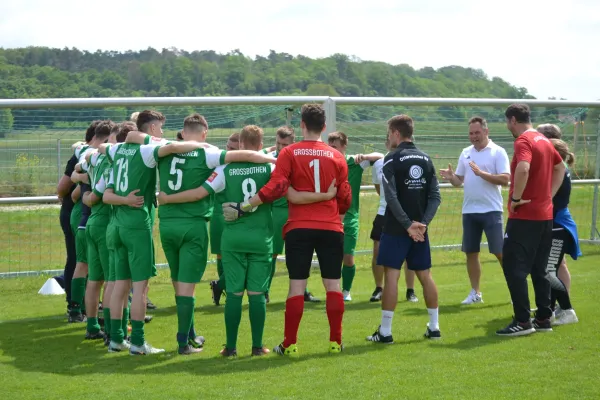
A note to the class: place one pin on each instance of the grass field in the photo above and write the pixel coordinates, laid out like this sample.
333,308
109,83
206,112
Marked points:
41,356
32,239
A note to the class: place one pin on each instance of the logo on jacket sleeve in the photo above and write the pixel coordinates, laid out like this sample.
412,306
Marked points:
212,176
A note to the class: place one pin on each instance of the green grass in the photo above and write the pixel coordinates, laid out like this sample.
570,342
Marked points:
32,239
41,356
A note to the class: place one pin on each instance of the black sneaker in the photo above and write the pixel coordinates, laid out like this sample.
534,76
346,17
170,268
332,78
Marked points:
376,296
429,334
101,321
76,317
516,328
542,326
411,296
260,351
100,306
268,300
379,338
188,349
106,340
309,297
95,336
148,318
150,305
216,292
230,353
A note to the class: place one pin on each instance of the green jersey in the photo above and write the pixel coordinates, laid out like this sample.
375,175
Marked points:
355,172
134,168
253,233
181,172
281,202
99,177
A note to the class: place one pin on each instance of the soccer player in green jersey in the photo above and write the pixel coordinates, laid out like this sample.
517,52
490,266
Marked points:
95,233
216,230
78,283
356,165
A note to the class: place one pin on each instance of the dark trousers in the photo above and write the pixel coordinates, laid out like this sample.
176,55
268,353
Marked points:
525,252
65,224
561,243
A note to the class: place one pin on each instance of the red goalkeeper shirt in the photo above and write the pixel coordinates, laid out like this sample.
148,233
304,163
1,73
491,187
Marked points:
310,166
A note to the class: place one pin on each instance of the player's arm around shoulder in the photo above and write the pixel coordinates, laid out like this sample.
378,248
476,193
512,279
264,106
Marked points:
214,184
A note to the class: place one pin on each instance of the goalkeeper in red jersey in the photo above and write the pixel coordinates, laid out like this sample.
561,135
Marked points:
309,166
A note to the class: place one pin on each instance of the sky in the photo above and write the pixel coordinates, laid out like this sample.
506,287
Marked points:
547,46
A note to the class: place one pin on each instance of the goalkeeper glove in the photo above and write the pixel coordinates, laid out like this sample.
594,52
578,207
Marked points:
232,211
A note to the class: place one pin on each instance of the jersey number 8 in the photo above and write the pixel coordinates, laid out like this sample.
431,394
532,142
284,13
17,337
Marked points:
177,172
249,190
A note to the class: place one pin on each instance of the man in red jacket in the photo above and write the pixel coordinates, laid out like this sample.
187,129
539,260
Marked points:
309,166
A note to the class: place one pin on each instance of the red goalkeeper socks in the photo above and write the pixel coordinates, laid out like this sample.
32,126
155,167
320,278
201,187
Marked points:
294,308
335,313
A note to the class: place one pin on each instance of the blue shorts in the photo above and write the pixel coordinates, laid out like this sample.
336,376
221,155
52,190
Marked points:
394,250
473,227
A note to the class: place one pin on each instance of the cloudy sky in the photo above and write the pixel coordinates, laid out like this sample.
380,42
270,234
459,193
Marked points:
547,46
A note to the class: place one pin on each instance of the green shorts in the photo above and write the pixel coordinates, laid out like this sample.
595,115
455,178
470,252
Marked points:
97,252
75,217
249,271
216,231
81,246
350,236
185,243
111,233
280,217
134,259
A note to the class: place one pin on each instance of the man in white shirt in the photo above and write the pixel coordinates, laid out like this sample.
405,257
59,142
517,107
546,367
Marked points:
483,168
378,222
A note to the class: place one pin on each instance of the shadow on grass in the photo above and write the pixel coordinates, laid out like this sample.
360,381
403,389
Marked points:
453,308
51,346
489,338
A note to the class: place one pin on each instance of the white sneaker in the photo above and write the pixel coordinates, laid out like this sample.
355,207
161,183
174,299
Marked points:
114,347
473,298
144,350
566,317
346,295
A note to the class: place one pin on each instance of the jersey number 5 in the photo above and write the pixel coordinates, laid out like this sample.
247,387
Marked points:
177,172
315,164
122,175
249,190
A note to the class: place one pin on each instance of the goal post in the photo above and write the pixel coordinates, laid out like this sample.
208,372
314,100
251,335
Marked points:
36,136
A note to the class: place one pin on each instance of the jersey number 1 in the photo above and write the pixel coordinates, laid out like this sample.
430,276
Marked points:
122,175
249,190
177,172
315,164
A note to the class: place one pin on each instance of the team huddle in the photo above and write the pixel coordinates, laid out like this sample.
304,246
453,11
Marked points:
250,203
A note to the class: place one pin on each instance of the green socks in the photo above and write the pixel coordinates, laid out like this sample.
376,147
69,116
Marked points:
117,334
273,266
125,320
258,313
107,321
92,325
221,274
347,277
137,333
233,316
77,294
185,315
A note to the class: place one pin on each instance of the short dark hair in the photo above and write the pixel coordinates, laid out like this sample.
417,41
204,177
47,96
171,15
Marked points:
339,136
285,132
195,122
313,116
124,129
403,124
521,112
103,129
234,137
480,120
91,130
251,135
179,136
147,116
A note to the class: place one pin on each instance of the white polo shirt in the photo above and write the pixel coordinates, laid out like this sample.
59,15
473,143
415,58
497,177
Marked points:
377,173
480,195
